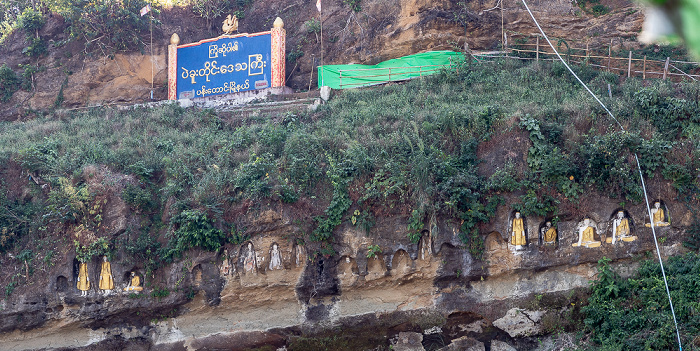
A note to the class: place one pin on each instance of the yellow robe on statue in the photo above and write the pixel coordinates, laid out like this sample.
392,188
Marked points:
550,236
587,239
623,229
106,281
83,283
587,235
135,284
518,236
659,218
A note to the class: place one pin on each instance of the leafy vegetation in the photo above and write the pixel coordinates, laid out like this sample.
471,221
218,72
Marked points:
593,7
98,247
194,230
9,83
354,5
407,150
634,313
373,251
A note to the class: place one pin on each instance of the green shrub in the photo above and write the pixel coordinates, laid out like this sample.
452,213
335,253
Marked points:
160,292
340,202
253,178
17,218
634,313
29,70
31,20
653,154
287,193
10,288
210,9
98,247
415,226
68,203
137,198
669,114
599,9
354,5
373,251
532,204
36,48
9,83
108,25
147,250
682,178
312,25
194,229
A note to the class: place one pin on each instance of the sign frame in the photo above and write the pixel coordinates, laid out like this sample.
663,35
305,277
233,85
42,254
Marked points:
277,60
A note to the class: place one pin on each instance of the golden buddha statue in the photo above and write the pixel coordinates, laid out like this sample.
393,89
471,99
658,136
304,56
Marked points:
106,281
517,236
83,279
658,218
134,284
549,234
586,235
621,229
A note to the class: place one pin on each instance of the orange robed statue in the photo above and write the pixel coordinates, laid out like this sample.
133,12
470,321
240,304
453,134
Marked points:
517,237
106,280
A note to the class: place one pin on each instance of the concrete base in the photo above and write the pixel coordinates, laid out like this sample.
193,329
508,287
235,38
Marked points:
234,99
219,101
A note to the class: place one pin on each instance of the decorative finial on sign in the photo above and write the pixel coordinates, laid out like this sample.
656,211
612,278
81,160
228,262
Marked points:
230,25
175,39
279,23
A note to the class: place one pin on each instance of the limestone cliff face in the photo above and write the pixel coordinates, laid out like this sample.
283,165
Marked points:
263,290
381,30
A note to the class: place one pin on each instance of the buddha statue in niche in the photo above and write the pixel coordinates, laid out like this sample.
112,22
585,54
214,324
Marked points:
134,283
586,235
426,246
275,258
517,236
620,229
83,279
106,281
658,217
549,234
249,262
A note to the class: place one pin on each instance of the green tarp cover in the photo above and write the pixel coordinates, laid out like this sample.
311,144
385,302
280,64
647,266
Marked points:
407,67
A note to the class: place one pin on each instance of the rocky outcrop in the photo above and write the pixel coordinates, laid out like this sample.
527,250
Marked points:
268,287
518,322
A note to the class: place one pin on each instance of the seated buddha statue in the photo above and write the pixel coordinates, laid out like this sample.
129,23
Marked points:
658,218
134,284
621,229
549,234
586,235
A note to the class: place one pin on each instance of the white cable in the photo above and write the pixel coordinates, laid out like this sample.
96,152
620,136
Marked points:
641,176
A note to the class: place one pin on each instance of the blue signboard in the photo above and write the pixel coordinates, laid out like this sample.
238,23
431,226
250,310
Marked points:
224,65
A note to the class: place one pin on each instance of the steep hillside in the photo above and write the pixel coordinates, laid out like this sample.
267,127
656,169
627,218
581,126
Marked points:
94,69
393,213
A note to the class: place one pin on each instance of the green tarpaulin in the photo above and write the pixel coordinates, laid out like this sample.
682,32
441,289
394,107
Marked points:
407,67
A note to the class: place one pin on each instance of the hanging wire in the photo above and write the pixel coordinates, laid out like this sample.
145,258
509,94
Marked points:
641,176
